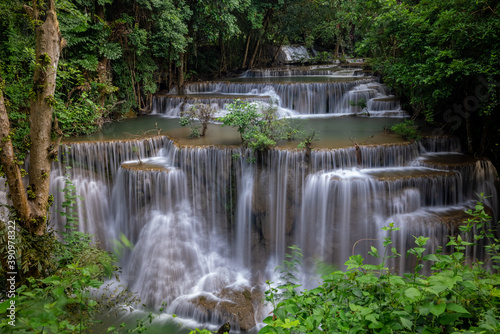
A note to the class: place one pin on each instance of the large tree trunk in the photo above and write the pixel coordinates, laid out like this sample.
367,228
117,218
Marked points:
337,47
31,205
48,49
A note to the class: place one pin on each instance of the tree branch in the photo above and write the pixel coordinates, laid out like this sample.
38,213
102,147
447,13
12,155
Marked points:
8,161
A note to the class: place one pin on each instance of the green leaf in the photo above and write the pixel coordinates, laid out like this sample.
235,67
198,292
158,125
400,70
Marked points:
431,257
290,324
412,293
438,309
406,322
397,280
449,318
495,292
456,308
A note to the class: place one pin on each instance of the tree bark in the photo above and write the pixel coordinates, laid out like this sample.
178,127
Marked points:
246,51
10,168
180,75
49,44
278,50
254,54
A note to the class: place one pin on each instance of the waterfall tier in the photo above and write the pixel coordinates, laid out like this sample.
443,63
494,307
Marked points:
315,95
207,224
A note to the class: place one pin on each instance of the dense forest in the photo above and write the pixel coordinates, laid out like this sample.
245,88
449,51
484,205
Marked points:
69,66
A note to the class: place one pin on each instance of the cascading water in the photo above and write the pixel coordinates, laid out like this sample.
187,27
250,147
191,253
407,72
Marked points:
295,53
304,91
208,226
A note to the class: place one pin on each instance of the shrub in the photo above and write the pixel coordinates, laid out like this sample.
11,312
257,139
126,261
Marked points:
459,295
263,130
407,129
61,302
201,112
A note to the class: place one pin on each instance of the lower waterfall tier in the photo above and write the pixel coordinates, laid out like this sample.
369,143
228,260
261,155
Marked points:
208,227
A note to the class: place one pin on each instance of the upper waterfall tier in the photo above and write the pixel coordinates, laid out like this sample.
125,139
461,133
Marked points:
325,70
292,95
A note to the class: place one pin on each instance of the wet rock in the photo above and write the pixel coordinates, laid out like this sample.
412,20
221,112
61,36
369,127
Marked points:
234,306
224,328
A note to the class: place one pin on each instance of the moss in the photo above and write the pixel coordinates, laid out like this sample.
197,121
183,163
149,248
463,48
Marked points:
247,294
51,101
31,193
50,201
45,59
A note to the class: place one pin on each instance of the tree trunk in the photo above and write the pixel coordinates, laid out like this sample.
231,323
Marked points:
266,25
278,50
223,66
180,76
470,146
170,75
31,205
246,52
254,54
10,168
48,49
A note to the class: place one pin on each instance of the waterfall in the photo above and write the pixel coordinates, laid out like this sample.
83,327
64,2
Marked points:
327,70
244,213
343,206
306,98
207,225
295,53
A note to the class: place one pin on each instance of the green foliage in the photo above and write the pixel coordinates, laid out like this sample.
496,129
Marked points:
201,112
244,117
361,104
61,301
407,129
262,130
200,331
459,294
441,58
307,137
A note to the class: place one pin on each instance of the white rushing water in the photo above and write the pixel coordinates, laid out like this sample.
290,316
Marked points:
207,227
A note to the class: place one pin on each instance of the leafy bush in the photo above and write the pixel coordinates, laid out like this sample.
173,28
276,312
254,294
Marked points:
407,129
459,295
263,130
201,112
361,104
61,302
